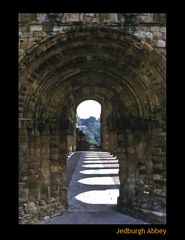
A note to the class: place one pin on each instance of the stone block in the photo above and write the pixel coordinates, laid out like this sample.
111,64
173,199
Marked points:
54,169
73,17
157,150
33,181
161,44
158,34
164,36
27,35
159,165
23,195
24,45
149,35
140,34
24,28
130,149
42,203
155,29
31,207
157,177
163,29
20,35
37,34
58,28
54,157
35,28
147,17
42,17
54,150
52,200
54,192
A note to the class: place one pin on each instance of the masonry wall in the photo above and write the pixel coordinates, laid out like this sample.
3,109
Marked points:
35,27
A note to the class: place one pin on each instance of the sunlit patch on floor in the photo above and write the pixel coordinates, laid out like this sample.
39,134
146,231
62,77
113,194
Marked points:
108,196
98,158
101,161
100,171
100,180
106,165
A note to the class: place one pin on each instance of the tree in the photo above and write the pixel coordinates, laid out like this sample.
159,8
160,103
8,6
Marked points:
92,129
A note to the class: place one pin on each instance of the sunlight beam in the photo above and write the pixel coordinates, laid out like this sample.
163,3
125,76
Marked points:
100,181
101,161
106,165
100,171
99,196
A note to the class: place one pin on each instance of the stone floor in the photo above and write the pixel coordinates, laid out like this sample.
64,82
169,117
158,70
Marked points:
93,192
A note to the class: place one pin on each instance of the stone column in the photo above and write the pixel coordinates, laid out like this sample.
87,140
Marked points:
126,157
54,171
44,173
142,179
64,152
113,143
106,132
57,158
23,170
33,174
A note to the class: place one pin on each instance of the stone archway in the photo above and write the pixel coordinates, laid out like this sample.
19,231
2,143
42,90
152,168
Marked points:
127,77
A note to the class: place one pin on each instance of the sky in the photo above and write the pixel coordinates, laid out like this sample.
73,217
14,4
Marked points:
89,108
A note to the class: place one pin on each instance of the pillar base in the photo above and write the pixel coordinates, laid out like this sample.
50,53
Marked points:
150,216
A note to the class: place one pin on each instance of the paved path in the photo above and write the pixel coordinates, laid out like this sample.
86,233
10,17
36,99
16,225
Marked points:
93,192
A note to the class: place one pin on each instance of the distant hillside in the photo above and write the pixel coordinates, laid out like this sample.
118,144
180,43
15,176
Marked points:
91,128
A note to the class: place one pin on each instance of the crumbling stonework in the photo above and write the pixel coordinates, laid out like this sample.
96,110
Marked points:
115,59
34,28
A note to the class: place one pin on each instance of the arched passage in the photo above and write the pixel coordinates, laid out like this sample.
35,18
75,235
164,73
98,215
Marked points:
127,77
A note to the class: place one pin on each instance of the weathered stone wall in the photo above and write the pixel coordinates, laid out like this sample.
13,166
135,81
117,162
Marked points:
35,27
42,189
115,59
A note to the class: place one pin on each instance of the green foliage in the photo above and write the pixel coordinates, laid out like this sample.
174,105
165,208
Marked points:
91,128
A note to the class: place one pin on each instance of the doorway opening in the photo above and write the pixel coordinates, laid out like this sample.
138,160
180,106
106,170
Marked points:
88,125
